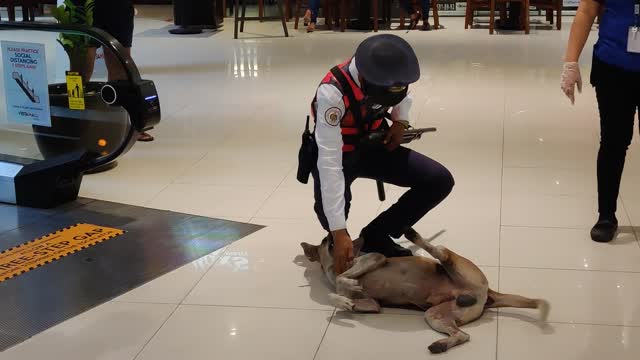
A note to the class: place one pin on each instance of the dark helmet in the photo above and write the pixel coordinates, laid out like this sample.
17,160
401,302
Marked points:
388,64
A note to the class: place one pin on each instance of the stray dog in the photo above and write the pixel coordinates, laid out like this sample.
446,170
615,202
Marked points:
452,290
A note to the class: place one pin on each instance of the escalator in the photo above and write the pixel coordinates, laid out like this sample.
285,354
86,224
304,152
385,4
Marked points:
61,256
53,127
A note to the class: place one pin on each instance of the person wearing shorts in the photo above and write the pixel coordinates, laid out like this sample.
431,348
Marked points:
116,17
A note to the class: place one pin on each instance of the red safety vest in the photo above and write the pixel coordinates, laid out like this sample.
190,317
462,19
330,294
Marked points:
351,131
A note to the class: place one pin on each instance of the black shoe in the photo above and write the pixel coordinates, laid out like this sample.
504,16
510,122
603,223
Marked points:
383,245
604,230
509,25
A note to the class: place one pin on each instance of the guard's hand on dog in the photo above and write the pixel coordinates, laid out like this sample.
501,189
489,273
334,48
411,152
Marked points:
394,136
342,251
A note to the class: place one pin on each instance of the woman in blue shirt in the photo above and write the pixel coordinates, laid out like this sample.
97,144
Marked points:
615,74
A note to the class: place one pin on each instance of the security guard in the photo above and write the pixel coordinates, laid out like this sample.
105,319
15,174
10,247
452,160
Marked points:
354,99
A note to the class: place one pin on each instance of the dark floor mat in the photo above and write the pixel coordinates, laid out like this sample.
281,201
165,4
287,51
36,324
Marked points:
155,242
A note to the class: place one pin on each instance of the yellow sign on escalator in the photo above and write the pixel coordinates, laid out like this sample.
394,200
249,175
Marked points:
75,91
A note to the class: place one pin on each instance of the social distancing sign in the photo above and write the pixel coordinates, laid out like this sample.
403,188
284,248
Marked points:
75,91
44,250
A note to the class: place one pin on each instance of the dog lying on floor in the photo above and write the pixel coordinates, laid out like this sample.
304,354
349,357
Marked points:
452,290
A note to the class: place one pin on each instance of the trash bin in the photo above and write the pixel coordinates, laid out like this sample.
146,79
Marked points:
191,16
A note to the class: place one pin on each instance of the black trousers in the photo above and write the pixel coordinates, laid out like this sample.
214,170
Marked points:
428,181
117,18
618,93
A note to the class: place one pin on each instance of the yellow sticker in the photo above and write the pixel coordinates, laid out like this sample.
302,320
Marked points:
75,91
41,251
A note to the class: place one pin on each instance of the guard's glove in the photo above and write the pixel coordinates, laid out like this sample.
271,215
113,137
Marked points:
569,79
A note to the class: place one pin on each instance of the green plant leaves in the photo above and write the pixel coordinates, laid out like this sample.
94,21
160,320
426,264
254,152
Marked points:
71,14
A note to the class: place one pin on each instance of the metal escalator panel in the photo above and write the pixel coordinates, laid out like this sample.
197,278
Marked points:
71,99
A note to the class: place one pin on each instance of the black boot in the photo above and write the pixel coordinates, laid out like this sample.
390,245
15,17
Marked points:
382,244
605,229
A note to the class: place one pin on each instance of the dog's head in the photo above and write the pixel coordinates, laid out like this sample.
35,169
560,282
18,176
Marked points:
323,253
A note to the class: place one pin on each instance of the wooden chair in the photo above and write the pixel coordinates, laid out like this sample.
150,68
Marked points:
550,6
472,7
434,14
239,19
375,6
524,14
28,8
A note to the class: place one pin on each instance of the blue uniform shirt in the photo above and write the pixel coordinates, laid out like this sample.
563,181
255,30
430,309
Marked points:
611,47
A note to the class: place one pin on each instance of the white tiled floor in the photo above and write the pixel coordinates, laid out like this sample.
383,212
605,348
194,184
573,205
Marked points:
233,111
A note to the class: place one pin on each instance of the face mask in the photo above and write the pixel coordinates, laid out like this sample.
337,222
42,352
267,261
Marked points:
385,96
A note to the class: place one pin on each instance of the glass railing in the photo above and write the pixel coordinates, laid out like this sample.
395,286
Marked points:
69,92
39,117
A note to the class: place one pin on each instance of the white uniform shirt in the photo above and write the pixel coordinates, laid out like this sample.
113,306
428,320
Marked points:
330,109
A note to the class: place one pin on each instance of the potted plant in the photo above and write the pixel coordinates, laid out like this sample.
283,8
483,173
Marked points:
76,46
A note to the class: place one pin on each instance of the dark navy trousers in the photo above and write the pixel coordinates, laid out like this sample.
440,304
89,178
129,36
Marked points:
428,183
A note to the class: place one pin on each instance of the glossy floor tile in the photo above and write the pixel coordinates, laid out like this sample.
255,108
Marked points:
369,337
583,297
197,332
212,200
566,341
112,331
549,248
522,156
173,287
556,211
267,269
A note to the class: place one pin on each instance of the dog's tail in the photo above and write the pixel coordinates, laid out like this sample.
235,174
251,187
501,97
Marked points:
498,300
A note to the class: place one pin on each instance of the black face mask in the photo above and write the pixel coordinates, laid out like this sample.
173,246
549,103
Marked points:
385,96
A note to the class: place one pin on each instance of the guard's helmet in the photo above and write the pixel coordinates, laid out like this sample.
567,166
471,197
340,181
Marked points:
388,64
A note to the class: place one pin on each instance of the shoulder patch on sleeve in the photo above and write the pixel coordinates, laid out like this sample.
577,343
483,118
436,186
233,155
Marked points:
333,116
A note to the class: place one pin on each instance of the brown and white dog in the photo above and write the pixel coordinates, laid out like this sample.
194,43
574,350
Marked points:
451,289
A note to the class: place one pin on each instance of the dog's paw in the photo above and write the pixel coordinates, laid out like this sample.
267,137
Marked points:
341,302
438,347
349,285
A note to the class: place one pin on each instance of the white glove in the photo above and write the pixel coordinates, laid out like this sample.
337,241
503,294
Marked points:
570,77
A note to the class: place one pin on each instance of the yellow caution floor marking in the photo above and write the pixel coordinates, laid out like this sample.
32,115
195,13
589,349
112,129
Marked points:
41,251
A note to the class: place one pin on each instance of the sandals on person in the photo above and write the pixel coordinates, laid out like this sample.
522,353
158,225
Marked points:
145,137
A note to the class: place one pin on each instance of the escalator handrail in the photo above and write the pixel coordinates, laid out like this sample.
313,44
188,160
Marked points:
116,48
101,36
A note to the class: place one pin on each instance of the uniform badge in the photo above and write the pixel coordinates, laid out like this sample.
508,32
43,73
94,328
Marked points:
333,116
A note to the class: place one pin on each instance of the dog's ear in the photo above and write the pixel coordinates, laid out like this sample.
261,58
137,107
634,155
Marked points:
357,246
310,251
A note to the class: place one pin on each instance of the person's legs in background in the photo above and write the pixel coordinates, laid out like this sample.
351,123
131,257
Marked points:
617,103
513,18
407,6
426,7
114,68
117,19
311,15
